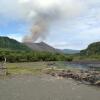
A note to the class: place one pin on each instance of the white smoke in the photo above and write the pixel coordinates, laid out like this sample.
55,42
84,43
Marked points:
41,13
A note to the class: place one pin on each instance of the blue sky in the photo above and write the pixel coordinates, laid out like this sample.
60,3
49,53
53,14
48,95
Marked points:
74,32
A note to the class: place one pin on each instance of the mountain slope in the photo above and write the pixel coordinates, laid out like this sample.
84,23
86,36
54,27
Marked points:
93,49
7,43
41,47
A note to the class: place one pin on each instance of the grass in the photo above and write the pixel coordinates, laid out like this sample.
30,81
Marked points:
25,68
34,68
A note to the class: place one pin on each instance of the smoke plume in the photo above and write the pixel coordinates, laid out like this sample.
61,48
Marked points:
40,26
48,11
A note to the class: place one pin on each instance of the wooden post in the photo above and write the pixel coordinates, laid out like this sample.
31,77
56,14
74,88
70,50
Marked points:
3,68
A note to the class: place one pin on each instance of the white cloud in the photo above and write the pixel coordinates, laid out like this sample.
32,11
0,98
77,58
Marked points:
17,37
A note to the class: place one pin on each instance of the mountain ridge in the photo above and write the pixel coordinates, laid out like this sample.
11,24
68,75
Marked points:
12,44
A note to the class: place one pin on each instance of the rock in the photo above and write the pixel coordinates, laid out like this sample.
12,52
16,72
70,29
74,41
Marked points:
87,77
97,83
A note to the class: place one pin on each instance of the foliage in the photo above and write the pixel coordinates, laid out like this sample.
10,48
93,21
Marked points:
31,56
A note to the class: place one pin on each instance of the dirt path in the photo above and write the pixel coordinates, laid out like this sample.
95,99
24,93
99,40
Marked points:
29,87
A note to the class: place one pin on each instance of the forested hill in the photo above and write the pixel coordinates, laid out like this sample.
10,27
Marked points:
11,44
93,49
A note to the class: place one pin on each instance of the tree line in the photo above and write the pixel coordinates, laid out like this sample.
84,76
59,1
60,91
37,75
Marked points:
31,56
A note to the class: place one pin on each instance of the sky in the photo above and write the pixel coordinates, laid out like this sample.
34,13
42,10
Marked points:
75,25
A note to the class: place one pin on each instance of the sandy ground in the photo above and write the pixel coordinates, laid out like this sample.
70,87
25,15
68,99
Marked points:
28,87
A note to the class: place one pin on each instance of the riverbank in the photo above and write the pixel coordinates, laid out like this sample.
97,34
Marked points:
56,69
84,76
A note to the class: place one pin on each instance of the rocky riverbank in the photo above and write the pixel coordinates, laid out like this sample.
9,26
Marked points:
86,77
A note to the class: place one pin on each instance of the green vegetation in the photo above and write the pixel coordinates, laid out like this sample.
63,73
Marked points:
24,56
25,68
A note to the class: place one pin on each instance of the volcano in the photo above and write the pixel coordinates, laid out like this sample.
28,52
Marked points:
41,47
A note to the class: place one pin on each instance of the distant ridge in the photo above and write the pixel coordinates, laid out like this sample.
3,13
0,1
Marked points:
70,51
41,47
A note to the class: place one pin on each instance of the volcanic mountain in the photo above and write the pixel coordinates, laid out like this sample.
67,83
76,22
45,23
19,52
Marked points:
41,47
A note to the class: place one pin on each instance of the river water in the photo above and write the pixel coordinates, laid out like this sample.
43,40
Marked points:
79,65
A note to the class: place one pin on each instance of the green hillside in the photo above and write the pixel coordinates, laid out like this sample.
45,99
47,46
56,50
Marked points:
11,44
93,49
